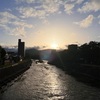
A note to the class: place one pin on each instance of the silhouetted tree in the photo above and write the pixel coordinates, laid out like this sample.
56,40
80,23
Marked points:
32,53
2,55
90,52
64,57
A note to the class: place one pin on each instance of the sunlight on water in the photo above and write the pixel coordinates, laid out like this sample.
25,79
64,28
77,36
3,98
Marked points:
45,82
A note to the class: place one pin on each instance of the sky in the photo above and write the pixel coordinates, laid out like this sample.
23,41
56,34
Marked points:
46,23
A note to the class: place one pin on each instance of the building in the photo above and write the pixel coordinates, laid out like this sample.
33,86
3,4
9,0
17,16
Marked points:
21,48
72,47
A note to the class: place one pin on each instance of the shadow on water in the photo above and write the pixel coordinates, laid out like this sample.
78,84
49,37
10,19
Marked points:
10,81
87,79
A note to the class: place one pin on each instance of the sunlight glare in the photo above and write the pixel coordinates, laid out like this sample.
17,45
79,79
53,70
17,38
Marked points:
54,46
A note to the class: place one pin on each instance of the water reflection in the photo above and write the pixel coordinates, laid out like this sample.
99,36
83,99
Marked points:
55,86
45,82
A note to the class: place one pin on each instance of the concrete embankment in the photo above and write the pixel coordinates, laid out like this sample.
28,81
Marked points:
89,74
86,73
92,71
9,73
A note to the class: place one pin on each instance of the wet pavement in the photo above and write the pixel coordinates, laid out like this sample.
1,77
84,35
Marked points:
45,82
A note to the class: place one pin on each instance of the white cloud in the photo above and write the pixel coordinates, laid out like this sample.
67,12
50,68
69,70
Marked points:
5,17
26,1
22,24
4,27
51,6
85,22
8,15
18,31
45,21
44,8
99,16
79,1
4,20
27,12
11,24
91,5
68,8
73,1
70,4
47,7
99,19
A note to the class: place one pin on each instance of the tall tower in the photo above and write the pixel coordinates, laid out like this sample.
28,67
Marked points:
21,48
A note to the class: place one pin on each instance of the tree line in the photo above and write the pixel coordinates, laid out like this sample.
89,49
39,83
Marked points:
88,53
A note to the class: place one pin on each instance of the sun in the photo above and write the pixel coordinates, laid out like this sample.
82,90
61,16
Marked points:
54,45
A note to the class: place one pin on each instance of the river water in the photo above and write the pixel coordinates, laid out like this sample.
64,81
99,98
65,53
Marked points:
46,82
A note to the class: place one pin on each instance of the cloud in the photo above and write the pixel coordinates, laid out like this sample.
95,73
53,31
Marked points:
4,28
41,8
98,36
27,12
99,19
21,23
79,1
51,6
11,24
70,4
91,5
99,16
68,8
46,7
8,15
25,1
18,31
99,22
85,22
73,1
5,17
45,21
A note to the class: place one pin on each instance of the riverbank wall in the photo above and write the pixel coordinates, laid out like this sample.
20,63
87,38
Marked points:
9,73
87,73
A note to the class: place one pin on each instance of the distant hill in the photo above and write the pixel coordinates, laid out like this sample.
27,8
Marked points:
46,54
10,49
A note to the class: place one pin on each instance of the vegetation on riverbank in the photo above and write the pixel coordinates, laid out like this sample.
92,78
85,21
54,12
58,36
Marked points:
88,53
9,73
79,61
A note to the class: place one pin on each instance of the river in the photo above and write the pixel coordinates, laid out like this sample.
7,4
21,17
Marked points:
46,82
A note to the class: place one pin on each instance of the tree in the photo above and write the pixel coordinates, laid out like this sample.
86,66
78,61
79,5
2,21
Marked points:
90,52
32,53
2,55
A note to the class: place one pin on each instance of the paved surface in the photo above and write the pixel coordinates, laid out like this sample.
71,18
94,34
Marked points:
46,82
